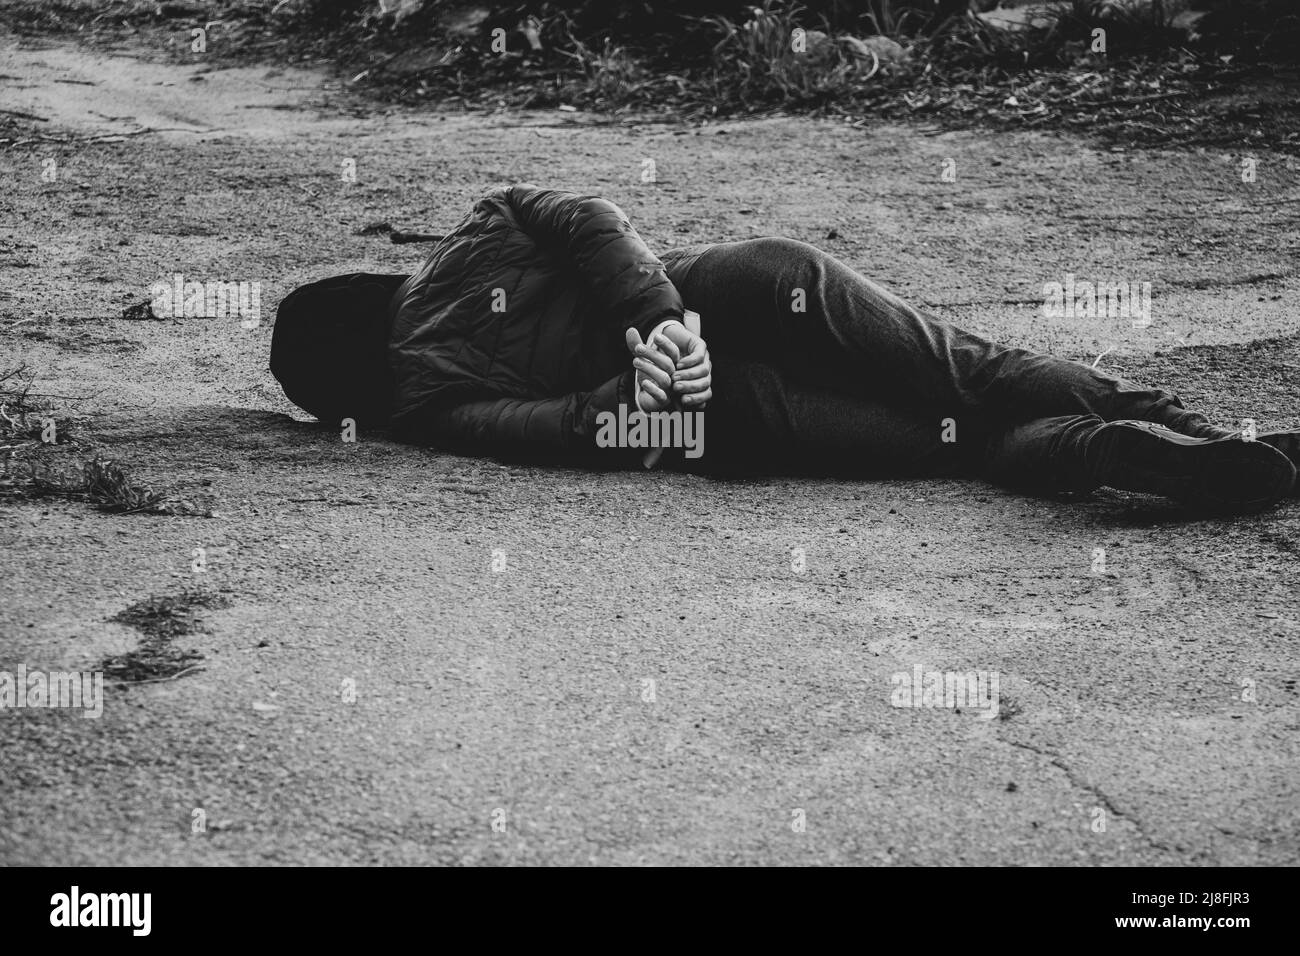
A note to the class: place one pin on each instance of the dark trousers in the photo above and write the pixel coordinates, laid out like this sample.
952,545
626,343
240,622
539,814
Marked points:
817,368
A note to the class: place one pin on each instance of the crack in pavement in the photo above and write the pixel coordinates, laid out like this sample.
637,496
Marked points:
1102,797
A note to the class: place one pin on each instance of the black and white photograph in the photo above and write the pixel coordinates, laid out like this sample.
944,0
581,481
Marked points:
647,434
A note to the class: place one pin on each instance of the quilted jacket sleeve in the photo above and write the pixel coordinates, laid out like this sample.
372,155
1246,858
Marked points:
560,427
628,281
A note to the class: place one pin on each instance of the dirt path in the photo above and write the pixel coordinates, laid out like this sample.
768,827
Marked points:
368,567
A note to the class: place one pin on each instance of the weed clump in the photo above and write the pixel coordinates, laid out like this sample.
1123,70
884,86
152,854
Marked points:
103,483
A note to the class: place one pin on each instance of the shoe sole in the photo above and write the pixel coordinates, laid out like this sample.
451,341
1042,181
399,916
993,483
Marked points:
1220,476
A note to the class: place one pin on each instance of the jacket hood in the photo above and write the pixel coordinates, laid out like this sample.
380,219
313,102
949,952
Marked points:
329,347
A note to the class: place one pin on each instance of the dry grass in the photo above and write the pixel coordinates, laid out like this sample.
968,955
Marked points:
31,438
108,486
24,414
104,483
1153,85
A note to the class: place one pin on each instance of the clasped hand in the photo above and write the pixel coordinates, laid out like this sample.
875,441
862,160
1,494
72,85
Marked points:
673,368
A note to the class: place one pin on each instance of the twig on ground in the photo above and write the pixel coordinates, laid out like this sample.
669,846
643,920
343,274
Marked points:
159,680
24,115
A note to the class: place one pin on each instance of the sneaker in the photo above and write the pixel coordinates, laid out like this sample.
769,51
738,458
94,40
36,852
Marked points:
1218,475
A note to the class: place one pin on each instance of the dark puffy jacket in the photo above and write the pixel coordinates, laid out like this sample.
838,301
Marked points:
510,338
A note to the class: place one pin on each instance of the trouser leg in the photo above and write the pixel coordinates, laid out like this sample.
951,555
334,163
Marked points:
787,303
763,421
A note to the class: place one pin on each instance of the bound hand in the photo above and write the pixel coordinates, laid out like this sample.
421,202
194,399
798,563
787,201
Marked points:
654,371
692,379
673,368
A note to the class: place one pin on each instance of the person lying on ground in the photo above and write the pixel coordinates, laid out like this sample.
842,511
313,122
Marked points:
543,313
